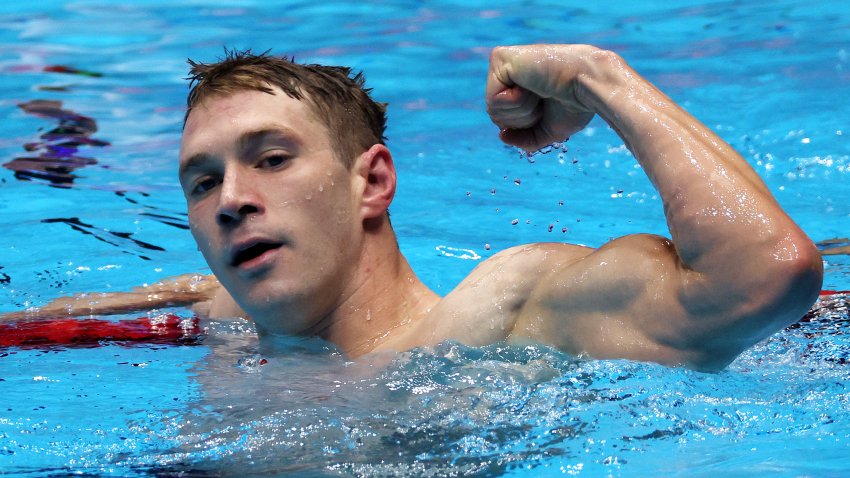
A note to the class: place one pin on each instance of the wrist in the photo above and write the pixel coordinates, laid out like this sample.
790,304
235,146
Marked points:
605,75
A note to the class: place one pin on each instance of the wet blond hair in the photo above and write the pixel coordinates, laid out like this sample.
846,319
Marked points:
338,98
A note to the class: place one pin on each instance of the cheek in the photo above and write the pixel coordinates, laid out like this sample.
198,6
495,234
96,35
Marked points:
199,232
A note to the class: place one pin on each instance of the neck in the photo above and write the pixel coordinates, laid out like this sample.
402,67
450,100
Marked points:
384,296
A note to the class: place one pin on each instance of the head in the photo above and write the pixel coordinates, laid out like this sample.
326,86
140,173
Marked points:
338,98
287,183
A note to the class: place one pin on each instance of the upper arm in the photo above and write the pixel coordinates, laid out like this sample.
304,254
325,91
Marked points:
635,298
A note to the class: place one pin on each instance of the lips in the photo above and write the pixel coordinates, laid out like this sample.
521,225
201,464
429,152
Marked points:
250,251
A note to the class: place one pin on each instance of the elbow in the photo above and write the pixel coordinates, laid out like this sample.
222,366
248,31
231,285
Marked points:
775,291
795,279
805,273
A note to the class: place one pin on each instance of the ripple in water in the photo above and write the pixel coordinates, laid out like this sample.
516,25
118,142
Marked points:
461,411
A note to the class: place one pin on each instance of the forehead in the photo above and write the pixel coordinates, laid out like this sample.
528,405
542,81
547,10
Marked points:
220,118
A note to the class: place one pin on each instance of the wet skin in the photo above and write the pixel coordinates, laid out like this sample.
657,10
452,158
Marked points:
736,270
270,205
303,246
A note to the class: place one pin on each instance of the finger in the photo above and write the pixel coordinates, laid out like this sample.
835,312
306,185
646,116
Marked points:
555,125
498,74
514,108
525,138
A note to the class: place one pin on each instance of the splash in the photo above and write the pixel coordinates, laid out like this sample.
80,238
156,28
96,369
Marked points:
531,157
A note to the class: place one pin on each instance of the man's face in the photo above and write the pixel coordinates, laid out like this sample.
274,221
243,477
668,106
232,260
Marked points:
271,207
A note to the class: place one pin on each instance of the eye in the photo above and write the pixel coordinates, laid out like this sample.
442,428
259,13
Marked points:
205,184
273,160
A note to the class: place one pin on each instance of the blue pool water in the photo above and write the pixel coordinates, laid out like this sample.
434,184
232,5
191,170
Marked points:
770,77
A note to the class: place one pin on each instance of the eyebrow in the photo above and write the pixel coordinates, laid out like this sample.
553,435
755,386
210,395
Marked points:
249,139
195,161
245,142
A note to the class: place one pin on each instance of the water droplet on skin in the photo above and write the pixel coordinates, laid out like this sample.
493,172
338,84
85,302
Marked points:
321,187
368,315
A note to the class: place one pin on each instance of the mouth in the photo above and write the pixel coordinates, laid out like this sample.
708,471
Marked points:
251,253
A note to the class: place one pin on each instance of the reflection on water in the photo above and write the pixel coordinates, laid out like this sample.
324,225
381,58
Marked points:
57,149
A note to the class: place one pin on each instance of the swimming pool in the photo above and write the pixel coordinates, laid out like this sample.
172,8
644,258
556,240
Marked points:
768,76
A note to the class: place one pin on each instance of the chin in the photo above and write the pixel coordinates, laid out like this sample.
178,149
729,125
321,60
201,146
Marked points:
270,306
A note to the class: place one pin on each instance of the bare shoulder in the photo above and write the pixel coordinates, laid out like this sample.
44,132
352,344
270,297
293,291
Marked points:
484,307
520,267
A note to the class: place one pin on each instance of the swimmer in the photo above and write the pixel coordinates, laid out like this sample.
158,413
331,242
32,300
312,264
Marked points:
288,182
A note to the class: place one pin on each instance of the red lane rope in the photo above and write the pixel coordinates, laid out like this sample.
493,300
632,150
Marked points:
162,329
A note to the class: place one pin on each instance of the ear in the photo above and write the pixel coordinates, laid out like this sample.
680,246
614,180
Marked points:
375,167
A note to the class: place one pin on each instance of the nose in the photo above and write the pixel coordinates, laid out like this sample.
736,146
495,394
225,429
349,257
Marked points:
238,200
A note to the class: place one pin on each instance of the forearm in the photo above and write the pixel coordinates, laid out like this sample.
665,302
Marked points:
185,290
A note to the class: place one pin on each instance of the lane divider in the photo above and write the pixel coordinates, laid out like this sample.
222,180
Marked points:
166,329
